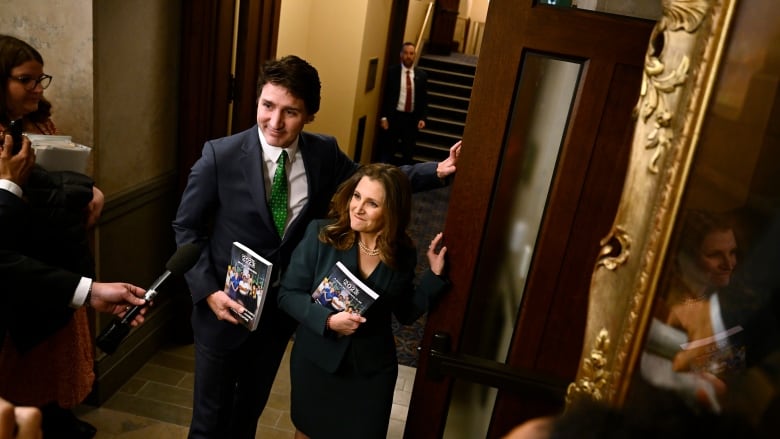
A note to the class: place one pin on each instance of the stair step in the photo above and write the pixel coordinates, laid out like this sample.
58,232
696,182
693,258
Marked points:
449,88
446,113
447,100
423,156
445,125
448,63
445,109
437,137
437,147
450,80
449,77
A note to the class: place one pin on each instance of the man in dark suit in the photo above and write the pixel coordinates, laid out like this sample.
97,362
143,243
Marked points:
404,106
229,198
22,274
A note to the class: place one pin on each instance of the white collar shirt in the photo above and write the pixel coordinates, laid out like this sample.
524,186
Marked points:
298,185
402,94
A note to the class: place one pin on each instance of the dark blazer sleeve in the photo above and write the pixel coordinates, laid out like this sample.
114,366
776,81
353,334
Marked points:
21,275
191,224
372,345
298,283
423,176
310,262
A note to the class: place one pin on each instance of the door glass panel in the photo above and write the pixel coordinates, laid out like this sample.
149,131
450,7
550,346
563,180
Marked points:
649,9
542,103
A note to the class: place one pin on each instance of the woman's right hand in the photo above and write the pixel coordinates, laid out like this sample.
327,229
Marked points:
345,323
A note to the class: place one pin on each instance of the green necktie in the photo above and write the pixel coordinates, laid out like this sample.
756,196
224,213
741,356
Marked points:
279,194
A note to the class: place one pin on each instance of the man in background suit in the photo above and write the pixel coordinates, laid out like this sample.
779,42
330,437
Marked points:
403,109
227,199
21,275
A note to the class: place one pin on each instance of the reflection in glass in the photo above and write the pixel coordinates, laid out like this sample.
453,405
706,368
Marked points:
715,337
537,127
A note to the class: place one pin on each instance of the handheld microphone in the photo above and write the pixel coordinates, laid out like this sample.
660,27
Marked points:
181,261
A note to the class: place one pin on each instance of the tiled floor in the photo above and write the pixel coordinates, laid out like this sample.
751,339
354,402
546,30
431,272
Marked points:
157,402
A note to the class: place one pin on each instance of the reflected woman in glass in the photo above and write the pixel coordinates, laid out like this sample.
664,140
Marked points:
689,346
705,264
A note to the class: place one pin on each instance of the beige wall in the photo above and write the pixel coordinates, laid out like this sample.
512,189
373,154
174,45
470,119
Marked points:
62,31
415,16
294,29
374,42
338,37
136,90
114,82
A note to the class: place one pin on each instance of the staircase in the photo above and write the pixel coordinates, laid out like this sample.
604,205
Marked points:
450,79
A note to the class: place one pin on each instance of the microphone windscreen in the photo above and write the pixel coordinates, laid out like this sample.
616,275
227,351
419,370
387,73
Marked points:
183,259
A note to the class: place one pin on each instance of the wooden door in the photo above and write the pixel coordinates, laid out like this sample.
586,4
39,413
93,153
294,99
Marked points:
208,88
206,51
445,16
210,85
579,73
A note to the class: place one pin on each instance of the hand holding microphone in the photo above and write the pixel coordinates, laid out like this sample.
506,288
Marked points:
181,261
116,298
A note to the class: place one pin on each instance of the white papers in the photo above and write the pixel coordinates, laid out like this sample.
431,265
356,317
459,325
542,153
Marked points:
59,153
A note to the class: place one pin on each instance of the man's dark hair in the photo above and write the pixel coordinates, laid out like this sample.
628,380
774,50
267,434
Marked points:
296,75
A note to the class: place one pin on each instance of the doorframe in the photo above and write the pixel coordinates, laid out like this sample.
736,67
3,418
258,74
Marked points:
207,86
206,48
487,124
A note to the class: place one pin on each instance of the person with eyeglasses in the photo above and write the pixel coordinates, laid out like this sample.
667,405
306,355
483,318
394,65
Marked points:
22,95
44,362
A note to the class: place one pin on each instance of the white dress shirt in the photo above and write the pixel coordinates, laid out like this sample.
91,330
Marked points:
402,95
296,176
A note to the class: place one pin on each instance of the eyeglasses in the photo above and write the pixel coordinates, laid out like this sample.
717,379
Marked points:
29,83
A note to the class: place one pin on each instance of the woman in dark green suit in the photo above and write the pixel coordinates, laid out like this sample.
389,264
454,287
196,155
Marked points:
343,366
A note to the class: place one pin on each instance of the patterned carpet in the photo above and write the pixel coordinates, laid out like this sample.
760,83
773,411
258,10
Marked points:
429,210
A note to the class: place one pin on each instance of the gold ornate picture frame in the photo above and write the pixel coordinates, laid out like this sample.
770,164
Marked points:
684,82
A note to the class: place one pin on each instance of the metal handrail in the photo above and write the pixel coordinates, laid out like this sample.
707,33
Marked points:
426,22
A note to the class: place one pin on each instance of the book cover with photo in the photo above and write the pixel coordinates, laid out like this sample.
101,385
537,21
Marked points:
246,282
721,354
341,290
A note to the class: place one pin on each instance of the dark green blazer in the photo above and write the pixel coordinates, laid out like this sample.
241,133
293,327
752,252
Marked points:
372,345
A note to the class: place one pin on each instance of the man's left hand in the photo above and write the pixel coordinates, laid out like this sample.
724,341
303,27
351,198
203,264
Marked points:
448,166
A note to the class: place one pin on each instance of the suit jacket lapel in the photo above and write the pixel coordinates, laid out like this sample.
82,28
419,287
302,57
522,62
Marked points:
313,177
254,170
